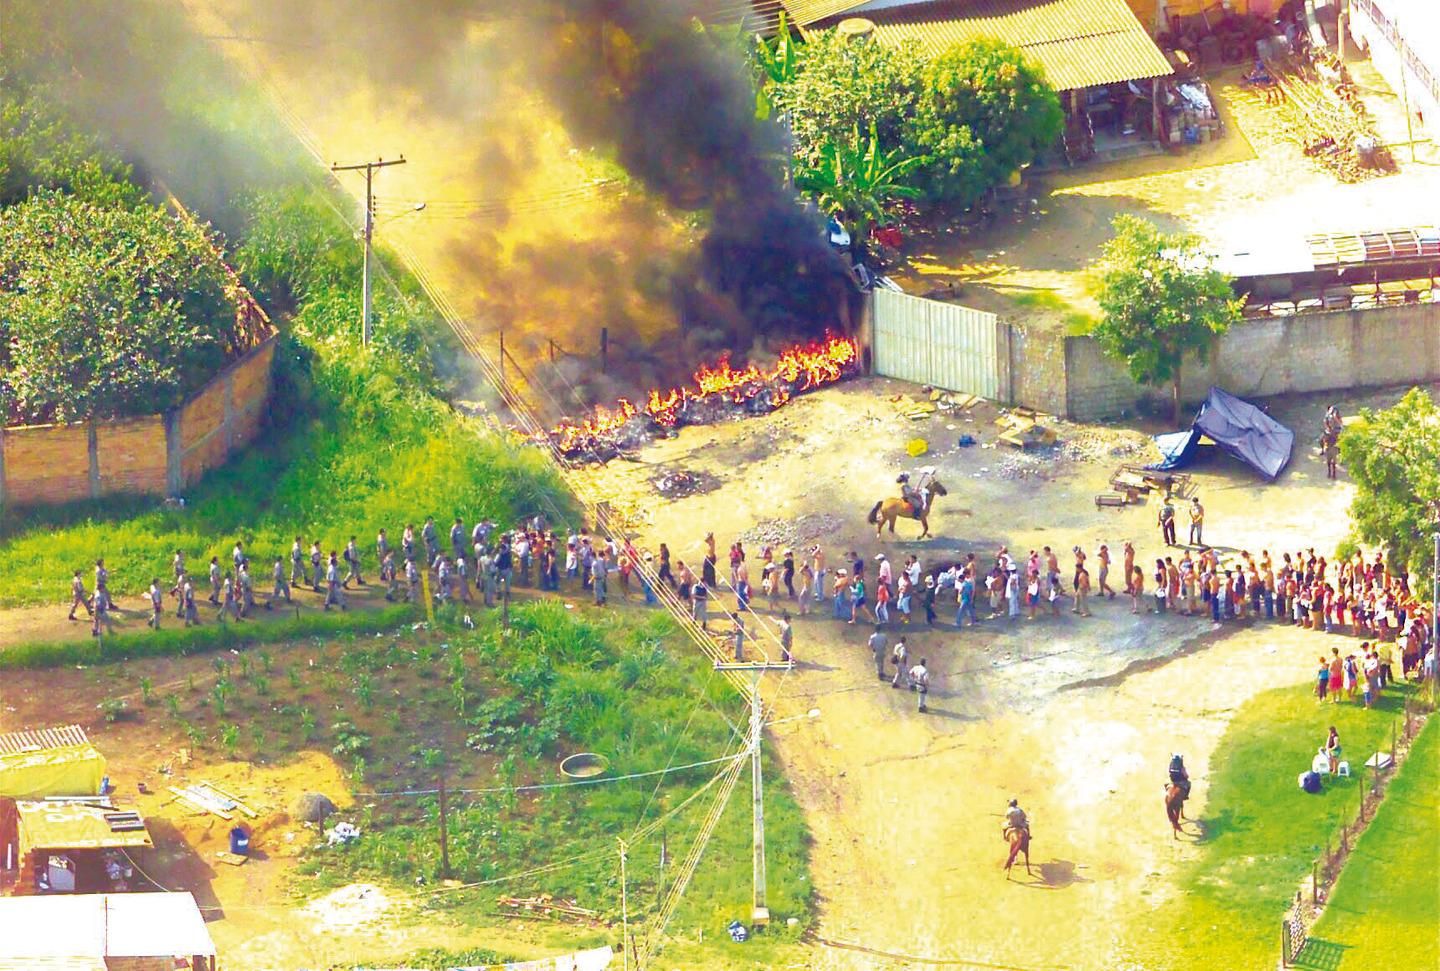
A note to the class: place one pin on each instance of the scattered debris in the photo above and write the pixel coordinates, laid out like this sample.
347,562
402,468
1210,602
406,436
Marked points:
232,859
545,905
196,798
917,447
679,483
786,533
350,906
224,799
341,834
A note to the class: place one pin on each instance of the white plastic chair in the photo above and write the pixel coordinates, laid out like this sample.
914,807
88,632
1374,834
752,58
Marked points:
1320,763
1343,769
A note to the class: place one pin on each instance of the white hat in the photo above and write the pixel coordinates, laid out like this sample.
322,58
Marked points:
879,556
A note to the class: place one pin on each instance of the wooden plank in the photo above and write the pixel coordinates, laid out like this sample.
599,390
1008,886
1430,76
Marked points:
233,859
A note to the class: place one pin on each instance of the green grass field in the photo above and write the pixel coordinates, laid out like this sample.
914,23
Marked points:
1385,910
1261,830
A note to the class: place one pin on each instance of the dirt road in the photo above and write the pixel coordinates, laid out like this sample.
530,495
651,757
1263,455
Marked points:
1077,718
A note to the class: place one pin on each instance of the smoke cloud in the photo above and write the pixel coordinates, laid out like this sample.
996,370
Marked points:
703,247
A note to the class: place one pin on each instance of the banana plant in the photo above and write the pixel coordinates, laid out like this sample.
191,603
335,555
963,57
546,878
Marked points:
777,60
857,180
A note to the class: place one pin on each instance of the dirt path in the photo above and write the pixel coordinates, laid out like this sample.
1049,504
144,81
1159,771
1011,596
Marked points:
22,625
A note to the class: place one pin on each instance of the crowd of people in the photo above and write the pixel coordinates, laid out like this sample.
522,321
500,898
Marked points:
482,563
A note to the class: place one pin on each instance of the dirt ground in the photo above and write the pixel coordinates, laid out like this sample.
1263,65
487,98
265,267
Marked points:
1075,717
1248,185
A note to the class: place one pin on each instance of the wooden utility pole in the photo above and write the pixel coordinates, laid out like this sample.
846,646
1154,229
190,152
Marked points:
624,911
369,232
760,912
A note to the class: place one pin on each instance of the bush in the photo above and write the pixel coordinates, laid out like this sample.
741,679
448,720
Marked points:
106,311
984,111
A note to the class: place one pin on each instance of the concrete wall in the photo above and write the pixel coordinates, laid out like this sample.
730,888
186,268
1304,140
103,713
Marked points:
153,455
1256,358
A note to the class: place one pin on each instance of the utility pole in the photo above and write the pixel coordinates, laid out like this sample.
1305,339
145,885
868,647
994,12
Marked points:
1435,606
369,169
760,912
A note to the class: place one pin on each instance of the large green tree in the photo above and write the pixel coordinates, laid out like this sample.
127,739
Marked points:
1161,299
105,310
1393,456
857,180
835,86
983,111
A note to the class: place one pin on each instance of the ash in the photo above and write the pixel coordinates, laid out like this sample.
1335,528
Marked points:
679,483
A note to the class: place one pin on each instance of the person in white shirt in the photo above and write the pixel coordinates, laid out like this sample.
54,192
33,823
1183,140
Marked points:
920,681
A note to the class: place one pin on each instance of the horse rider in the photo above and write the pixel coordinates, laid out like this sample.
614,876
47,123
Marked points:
1179,777
1015,819
915,494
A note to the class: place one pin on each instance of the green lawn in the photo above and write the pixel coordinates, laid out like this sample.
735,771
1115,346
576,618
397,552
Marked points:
1261,831
1385,910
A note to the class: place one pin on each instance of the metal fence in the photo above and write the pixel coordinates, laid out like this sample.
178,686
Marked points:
940,344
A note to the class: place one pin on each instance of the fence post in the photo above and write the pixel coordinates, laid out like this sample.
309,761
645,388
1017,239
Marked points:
1314,883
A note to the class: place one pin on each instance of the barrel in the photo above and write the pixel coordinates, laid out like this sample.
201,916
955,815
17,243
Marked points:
239,841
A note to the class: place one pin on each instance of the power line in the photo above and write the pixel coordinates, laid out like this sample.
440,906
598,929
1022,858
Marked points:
541,786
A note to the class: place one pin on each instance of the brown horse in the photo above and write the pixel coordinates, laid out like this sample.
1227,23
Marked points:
886,511
1019,840
1175,806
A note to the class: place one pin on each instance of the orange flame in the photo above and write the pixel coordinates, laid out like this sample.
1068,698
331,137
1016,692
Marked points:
798,369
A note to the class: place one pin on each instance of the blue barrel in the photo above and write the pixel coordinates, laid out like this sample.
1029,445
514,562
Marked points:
239,841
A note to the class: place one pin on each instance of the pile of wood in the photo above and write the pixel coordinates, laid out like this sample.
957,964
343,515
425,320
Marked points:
1320,109
1024,428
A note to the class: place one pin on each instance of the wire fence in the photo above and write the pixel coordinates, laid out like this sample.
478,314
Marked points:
1302,912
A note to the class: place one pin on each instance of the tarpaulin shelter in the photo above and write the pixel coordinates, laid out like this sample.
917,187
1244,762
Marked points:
1239,428
50,762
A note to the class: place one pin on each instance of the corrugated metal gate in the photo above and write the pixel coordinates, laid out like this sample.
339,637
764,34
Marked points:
940,344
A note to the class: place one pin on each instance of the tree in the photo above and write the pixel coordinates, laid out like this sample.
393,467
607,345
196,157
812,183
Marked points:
777,62
1161,299
106,311
1393,456
984,111
857,180
839,86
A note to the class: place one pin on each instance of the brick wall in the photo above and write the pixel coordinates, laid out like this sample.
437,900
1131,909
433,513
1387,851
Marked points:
155,455
1277,355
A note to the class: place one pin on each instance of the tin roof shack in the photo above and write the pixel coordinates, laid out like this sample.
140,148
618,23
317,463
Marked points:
105,932
49,762
74,845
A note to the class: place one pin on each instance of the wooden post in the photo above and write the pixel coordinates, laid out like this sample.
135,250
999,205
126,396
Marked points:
502,360
604,349
1314,883
444,831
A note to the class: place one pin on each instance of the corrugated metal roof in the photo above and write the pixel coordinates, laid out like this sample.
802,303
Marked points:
805,12
73,826
1078,43
46,738
97,926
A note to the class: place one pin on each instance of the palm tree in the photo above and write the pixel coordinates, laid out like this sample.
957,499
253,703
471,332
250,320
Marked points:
857,180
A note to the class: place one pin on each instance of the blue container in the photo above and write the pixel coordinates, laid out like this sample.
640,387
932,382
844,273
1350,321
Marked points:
239,841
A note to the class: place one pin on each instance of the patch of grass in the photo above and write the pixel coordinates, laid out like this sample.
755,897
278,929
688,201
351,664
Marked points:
1077,322
1385,910
549,688
1261,830
193,640
441,958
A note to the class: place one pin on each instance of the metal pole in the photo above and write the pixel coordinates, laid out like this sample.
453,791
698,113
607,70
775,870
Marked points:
1404,88
1435,606
624,910
761,913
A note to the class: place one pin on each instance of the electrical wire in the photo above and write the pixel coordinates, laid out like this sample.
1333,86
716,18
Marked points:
542,786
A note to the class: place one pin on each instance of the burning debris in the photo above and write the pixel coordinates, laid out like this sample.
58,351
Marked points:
679,483
718,392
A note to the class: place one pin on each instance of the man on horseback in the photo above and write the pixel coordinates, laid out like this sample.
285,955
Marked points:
915,494
1179,777
1015,819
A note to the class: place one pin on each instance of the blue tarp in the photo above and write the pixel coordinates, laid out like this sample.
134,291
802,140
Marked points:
1236,426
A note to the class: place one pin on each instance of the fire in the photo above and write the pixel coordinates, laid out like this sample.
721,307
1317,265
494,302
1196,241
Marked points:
799,369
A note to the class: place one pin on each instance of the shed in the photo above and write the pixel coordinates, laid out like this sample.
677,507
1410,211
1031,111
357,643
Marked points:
31,833
49,762
115,932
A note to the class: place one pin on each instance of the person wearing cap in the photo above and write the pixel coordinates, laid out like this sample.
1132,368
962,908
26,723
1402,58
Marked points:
899,655
928,599
787,572
1012,592
1197,521
883,571
699,604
